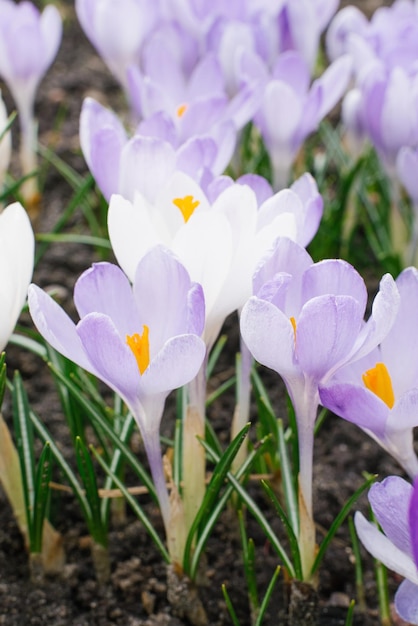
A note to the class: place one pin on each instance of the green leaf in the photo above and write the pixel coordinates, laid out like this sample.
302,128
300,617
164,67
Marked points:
293,540
256,512
135,507
88,476
249,565
338,521
42,490
288,481
99,420
25,447
229,606
215,354
267,597
206,529
212,491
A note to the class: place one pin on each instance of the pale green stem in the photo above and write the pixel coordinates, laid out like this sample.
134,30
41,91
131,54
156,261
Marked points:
305,405
194,459
242,409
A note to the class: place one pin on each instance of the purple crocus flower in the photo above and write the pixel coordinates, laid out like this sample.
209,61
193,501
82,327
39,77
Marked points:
291,108
386,111
144,162
117,30
380,394
301,23
391,36
305,321
29,42
142,341
395,505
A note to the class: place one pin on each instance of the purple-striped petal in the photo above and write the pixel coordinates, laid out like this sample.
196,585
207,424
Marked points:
334,276
162,284
268,334
113,361
356,404
104,288
406,601
175,365
383,549
390,503
326,331
57,328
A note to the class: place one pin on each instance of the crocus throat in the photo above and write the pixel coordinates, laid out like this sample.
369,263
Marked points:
187,205
139,344
377,379
181,110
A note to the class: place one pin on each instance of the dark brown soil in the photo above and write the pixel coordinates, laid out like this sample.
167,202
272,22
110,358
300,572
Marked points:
137,592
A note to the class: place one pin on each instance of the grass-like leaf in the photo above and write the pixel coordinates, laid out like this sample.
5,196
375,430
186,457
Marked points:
230,606
42,490
212,491
338,521
257,513
88,476
25,447
135,507
267,597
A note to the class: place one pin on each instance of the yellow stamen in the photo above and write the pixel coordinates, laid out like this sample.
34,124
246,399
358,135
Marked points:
293,321
186,205
139,344
378,380
181,110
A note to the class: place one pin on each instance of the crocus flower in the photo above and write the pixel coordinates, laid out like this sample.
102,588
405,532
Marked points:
5,142
386,111
305,321
219,244
117,30
142,341
144,162
291,108
29,42
380,394
301,23
391,36
395,505
17,245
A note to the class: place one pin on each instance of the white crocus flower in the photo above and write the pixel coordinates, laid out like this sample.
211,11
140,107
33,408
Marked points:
17,245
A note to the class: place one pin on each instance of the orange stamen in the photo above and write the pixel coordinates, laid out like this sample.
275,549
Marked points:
377,379
293,321
181,110
186,205
139,344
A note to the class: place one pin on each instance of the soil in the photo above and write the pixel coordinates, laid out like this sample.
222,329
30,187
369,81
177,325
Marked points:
136,594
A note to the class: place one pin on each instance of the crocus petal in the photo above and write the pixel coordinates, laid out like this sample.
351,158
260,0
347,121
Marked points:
397,348
326,330
405,412
407,168
390,503
145,165
334,276
104,288
383,549
131,232
269,335
413,521
168,291
356,404
334,82
384,310
57,328
16,266
163,373
406,601
113,361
